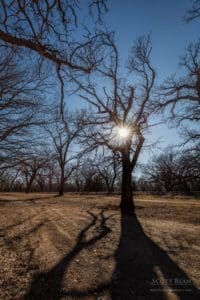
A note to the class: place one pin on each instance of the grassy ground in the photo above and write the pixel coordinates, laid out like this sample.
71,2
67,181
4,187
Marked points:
81,247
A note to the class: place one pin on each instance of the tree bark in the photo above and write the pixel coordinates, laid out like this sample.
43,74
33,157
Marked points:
62,182
127,205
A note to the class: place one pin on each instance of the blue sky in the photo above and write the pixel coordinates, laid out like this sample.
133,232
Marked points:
163,19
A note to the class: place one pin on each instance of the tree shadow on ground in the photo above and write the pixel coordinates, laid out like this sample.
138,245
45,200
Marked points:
21,222
48,285
35,200
143,270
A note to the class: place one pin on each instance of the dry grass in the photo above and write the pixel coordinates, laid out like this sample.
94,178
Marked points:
71,247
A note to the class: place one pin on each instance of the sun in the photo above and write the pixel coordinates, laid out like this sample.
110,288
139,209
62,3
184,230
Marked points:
123,132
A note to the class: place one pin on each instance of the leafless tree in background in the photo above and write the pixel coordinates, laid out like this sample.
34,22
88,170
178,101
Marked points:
32,164
63,132
188,171
96,171
88,172
8,178
51,173
55,33
21,107
161,170
179,97
109,168
173,171
20,102
194,12
53,30
120,103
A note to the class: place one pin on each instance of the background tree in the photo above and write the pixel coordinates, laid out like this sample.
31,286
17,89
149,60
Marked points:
121,108
8,178
63,133
77,176
20,100
161,170
172,171
21,110
108,167
180,97
51,30
92,180
194,12
51,173
32,165
54,33
188,171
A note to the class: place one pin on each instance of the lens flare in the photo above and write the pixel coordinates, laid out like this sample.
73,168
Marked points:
123,132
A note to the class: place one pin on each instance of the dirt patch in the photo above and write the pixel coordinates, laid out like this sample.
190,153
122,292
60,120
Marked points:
80,247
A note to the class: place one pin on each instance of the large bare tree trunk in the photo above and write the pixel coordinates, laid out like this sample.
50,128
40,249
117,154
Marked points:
127,204
62,182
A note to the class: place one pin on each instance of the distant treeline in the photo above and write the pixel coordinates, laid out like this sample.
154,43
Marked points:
170,171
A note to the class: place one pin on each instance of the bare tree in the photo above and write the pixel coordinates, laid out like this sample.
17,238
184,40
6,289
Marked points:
109,168
120,105
21,108
188,171
8,178
180,97
20,103
47,176
51,173
31,165
63,132
92,180
194,12
53,30
161,170
77,176
173,171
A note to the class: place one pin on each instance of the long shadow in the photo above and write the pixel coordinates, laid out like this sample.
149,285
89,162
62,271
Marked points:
26,232
35,200
21,222
19,236
48,285
144,270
